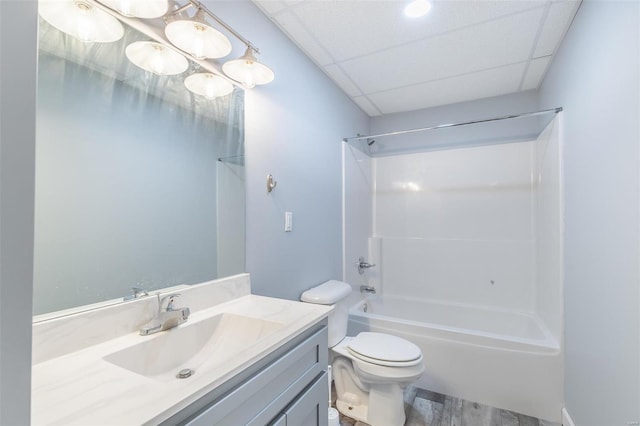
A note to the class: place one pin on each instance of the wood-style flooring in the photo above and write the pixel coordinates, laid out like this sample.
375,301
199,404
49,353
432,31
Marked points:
426,408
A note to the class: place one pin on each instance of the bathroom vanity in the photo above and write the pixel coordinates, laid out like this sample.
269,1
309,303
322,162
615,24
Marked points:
243,359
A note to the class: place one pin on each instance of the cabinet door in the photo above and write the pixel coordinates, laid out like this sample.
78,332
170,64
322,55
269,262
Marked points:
311,407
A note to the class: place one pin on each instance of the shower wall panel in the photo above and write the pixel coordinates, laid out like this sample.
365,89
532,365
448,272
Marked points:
458,225
549,214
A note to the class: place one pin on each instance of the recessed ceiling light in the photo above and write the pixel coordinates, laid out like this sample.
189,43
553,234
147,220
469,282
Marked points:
417,8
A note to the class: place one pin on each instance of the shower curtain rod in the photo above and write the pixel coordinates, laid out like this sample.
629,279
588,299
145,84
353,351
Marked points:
444,126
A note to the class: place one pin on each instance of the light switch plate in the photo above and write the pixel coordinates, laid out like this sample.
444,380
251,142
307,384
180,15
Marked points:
288,221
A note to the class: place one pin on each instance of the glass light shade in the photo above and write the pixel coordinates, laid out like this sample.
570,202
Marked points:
81,20
417,8
198,38
208,85
146,9
248,71
158,59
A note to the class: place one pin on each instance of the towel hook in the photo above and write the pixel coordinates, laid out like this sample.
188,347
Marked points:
270,183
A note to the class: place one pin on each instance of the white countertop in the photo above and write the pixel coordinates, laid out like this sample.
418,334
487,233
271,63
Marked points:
81,388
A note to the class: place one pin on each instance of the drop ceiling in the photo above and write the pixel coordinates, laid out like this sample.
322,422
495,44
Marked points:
461,50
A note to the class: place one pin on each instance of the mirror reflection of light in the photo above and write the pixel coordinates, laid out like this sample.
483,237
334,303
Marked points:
84,24
417,8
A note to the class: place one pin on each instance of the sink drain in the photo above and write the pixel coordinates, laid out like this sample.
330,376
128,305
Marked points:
185,373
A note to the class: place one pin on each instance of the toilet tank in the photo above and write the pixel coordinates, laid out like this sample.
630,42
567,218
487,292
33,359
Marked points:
332,293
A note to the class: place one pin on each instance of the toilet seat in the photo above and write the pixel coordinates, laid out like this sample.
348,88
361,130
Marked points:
373,370
384,349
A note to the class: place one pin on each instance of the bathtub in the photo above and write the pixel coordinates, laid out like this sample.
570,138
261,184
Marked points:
502,358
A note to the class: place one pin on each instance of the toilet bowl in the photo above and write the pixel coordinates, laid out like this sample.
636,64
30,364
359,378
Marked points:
370,370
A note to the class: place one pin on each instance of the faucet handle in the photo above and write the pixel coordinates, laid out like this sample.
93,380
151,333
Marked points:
170,298
139,292
362,265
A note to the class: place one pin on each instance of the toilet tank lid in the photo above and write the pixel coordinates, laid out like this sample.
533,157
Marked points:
327,293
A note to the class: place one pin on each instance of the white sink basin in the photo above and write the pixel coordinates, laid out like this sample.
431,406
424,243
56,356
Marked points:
194,345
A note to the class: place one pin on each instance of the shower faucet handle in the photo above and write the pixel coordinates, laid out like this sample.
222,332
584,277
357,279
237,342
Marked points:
362,265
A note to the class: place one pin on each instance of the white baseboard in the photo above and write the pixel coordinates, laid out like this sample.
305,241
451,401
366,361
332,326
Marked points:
566,418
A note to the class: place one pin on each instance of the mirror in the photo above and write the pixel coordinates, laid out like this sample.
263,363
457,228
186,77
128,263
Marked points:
139,182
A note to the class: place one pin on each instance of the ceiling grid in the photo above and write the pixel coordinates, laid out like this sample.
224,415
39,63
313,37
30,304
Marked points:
461,51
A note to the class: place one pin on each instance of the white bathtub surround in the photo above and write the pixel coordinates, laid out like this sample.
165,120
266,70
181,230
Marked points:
478,225
457,224
469,247
499,358
86,385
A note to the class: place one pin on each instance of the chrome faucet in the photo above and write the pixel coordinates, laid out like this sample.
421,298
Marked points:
136,293
165,318
362,265
367,289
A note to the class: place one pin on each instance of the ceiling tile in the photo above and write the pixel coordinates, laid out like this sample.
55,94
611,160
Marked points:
350,29
367,106
504,41
558,20
468,87
535,73
342,80
270,6
297,32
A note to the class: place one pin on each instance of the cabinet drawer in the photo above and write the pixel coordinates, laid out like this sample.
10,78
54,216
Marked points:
260,398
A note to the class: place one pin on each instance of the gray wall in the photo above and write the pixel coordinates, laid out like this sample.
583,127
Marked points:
595,78
294,128
17,163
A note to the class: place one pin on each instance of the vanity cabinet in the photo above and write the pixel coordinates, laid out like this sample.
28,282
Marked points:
309,408
286,388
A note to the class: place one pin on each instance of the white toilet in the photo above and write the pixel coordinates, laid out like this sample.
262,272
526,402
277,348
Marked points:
370,370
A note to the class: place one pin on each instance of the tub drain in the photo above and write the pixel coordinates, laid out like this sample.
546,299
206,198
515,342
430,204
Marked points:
185,373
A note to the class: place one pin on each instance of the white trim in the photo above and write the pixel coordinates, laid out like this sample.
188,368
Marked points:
344,211
566,418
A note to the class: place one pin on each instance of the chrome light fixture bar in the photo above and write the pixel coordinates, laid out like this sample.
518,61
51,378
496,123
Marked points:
246,70
205,40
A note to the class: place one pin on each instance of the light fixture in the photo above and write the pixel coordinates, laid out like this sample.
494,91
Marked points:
417,8
247,70
208,85
146,9
81,20
99,21
155,57
197,38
